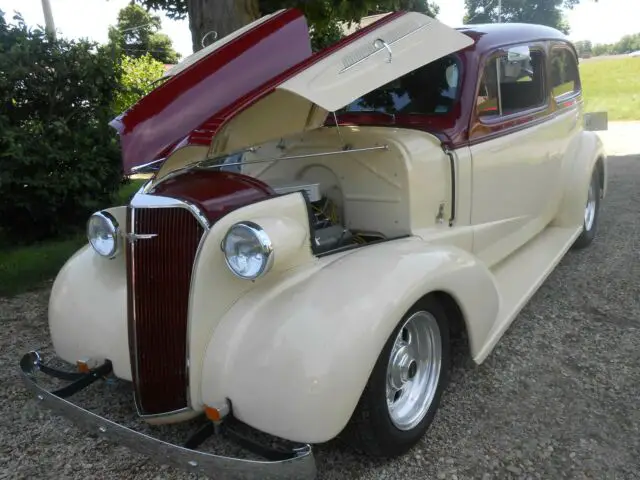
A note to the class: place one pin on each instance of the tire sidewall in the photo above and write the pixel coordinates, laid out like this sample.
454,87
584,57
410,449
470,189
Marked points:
595,182
402,439
587,236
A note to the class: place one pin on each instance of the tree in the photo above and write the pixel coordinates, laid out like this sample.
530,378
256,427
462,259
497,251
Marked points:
59,158
628,43
584,48
137,33
226,16
543,12
138,77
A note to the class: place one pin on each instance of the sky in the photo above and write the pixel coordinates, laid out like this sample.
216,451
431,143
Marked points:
602,22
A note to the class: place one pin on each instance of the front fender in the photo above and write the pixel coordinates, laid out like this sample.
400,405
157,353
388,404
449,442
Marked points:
294,356
88,308
576,181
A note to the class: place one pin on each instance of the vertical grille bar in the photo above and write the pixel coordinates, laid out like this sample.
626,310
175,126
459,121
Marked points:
159,271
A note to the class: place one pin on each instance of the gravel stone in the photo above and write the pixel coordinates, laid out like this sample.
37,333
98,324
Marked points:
557,398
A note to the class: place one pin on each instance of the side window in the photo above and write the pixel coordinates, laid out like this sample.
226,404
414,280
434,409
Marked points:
565,78
512,82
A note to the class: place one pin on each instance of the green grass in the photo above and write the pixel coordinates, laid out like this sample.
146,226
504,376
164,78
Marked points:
612,85
25,268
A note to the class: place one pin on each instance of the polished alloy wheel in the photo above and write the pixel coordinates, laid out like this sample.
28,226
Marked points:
413,370
590,210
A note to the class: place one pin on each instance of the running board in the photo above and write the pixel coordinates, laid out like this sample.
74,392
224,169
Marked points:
519,277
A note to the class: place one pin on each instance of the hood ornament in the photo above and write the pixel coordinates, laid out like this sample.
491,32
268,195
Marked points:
134,237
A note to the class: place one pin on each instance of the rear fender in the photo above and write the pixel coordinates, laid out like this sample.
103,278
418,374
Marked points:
294,355
571,211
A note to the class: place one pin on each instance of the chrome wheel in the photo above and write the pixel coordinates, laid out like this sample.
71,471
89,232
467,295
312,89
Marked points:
413,370
590,210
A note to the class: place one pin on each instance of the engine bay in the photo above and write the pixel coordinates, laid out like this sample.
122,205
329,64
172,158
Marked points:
328,232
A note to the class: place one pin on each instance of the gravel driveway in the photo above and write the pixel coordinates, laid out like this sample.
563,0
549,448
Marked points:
557,398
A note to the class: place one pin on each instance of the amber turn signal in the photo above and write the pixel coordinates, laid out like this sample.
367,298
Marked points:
83,366
213,414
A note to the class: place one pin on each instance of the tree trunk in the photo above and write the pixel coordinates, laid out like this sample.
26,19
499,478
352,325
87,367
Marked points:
220,16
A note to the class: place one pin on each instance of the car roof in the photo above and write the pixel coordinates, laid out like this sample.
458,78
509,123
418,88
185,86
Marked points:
488,36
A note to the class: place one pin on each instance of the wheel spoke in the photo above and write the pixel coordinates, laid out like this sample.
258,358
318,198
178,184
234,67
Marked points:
392,395
413,370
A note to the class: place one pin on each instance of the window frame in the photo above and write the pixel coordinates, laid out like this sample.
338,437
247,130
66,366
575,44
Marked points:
492,57
483,129
555,46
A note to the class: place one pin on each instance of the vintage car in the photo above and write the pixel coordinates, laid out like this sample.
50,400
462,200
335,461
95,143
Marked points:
316,230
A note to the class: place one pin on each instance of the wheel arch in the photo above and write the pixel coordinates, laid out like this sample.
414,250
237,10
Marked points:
457,320
590,154
329,328
602,174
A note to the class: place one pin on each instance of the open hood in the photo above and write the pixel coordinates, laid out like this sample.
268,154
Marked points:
209,81
389,51
365,60
264,83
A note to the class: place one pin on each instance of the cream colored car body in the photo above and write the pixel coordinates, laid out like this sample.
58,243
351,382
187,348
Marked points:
293,350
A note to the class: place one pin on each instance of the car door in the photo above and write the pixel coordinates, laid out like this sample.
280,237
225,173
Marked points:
514,159
566,92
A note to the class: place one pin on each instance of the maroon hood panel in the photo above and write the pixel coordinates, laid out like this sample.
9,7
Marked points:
183,102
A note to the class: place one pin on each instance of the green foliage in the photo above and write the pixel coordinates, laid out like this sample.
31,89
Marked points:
137,34
323,37
542,12
324,16
59,159
627,44
138,75
584,48
24,268
317,11
174,9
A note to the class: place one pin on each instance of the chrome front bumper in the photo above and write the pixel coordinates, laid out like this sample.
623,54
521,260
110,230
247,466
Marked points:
296,464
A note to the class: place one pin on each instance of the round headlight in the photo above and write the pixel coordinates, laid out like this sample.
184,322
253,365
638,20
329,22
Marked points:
102,233
247,250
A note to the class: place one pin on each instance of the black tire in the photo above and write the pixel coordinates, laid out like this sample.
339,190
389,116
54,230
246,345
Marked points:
589,232
370,428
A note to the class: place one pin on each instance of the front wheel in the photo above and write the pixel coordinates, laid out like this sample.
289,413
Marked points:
402,395
591,213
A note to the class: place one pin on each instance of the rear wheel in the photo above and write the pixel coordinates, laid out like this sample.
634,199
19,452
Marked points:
591,213
403,392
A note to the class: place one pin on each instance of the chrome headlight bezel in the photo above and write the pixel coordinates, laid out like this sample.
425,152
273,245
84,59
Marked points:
263,244
111,225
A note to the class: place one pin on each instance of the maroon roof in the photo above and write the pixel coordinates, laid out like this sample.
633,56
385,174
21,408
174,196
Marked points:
491,35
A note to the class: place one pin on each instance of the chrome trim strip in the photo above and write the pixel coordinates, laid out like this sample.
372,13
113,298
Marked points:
203,164
350,62
302,467
133,318
143,200
499,89
145,166
453,170
206,163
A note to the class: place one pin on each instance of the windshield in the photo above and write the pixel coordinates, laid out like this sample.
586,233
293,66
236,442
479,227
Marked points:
428,90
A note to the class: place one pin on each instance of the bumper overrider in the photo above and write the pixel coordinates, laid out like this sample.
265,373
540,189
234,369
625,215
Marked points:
280,463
